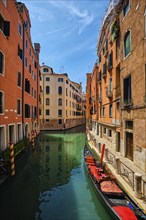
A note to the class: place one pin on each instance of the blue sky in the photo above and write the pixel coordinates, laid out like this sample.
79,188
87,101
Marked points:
67,32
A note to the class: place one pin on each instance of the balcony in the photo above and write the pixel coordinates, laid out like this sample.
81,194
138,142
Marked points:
109,92
117,92
127,102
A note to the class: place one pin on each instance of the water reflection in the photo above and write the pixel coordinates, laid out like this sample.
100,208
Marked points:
50,182
59,154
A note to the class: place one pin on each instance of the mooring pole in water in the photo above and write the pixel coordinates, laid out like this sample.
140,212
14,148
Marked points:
12,159
102,153
32,139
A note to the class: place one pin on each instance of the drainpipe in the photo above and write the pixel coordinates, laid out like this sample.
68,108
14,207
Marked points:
23,81
145,86
37,51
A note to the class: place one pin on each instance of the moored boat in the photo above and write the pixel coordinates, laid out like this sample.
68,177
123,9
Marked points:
118,203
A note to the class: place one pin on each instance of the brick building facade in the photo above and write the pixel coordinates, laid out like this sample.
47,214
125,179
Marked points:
121,87
19,74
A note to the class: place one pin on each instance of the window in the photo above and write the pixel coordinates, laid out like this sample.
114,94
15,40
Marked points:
35,64
100,112
127,91
34,94
34,77
32,91
47,111
19,79
45,70
129,125
20,52
47,89
126,8
26,44
4,26
1,63
104,69
103,111
59,112
110,61
66,102
29,52
29,68
18,107
110,133
60,102
27,111
47,101
26,62
1,102
20,29
66,92
5,2
27,86
110,110
60,79
127,44
60,121
104,130
60,90
47,79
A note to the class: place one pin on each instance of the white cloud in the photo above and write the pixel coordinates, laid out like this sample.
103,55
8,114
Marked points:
40,14
82,17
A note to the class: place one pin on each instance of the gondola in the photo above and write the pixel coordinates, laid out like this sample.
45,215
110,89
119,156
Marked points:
117,202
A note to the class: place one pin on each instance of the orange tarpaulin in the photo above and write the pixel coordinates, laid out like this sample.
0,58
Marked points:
109,187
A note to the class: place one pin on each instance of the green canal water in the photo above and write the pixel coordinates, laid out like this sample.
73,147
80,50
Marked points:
51,183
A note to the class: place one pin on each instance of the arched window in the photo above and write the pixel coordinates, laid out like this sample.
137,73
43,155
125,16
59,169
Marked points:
126,8
127,43
59,90
60,102
47,101
47,89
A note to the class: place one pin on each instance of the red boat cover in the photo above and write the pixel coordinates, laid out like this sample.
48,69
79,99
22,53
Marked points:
110,187
125,213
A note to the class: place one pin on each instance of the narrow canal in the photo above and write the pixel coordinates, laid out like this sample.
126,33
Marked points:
51,183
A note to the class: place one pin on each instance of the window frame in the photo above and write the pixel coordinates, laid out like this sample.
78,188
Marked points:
47,111
127,92
59,112
47,101
126,54
110,110
19,107
20,30
126,8
19,83
48,92
2,103
3,63
60,90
